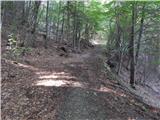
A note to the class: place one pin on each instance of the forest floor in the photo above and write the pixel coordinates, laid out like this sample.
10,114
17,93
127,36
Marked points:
46,86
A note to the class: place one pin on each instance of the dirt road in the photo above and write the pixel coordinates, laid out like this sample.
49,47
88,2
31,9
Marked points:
50,87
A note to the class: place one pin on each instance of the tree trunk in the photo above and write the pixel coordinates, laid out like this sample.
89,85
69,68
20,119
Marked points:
68,20
131,50
35,13
140,34
121,52
62,29
46,40
74,29
118,42
77,27
57,32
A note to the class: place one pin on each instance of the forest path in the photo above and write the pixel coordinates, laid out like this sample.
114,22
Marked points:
82,103
94,98
46,86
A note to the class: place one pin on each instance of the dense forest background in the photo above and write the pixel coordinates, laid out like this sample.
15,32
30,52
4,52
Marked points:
128,31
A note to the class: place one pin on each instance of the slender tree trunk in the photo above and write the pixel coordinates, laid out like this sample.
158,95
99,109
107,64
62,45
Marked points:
23,14
62,29
87,31
140,34
77,26
26,24
110,36
131,50
35,12
120,55
68,20
3,11
36,8
144,70
78,29
74,29
57,32
27,13
157,55
118,43
46,40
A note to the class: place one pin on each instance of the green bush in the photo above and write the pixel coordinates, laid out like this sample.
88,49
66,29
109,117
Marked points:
15,50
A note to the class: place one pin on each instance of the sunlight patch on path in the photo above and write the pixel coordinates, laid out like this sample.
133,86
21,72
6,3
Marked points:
53,76
58,83
27,66
109,90
63,79
57,79
51,83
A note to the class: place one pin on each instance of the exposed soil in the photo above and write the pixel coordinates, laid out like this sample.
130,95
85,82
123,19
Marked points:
46,86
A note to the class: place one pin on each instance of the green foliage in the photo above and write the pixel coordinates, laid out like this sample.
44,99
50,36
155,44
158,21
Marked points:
12,40
20,50
15,50
155,62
